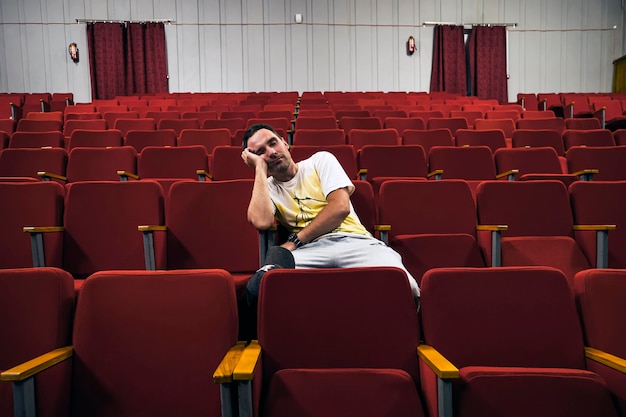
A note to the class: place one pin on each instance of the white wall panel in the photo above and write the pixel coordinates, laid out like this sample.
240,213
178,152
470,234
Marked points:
255,45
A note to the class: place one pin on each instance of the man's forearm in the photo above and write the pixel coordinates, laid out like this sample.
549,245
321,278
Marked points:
261,209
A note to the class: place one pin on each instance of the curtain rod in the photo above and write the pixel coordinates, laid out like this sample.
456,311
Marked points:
469,24
168,21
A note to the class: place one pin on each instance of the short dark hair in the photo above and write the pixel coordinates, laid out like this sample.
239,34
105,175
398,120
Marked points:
252,130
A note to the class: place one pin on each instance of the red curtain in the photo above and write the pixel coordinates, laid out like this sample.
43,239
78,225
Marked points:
449,71
106,59
487,56
127,59
146,71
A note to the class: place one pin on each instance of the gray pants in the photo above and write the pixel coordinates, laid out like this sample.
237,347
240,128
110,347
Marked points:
350,251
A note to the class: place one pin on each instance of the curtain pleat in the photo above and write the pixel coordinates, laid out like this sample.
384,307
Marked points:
449,70
487,57
127,59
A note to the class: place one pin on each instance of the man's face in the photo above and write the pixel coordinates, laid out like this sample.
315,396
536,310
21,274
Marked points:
272,149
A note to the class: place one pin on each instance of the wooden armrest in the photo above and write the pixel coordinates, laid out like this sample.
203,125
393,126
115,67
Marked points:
612,361
203,175
128,174
152,228
245,368
594,227
362,174
47,175
441,366
42,229
27,369
585,174
491,228
382,227
436,173
224,372
511,174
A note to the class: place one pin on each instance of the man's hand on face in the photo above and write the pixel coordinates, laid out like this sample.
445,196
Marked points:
251,159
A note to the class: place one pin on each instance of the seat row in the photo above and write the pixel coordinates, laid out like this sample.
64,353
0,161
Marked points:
90,226
490,341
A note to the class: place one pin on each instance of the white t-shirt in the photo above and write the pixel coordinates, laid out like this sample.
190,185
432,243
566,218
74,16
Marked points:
299,200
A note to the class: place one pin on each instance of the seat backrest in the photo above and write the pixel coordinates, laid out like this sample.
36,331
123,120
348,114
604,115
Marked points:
553,123
468,316
7,126
72,125
601,202
409,207
175,162
361,137
101,232
503,114
528,208
140,139
542,160
452,123
321,122
100,164
26,162
160,115
347,123
600,294
591,137
319,137
198,212
619,135
177,125
393,161
608,160
506,125
42,301
111,117
232,124
226,164
403,123
467,162
95,138
428,138
426,114
52,138
209,138
536,138
29,204
493,138
345,154
125,125
326,317
585,123
538,114
30,125
154,313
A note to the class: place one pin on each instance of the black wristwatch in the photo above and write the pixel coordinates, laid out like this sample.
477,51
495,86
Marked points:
294,238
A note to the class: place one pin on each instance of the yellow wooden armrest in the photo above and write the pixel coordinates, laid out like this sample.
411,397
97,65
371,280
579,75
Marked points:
204,173
152,228
127,174
224,372
435,172
612,361
507,173
44,174
362,174
382,227
594,227
244,370
491,228
442,367
27,369
585,171
43,229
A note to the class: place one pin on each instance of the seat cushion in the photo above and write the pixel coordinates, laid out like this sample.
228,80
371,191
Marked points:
342,392
537,392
